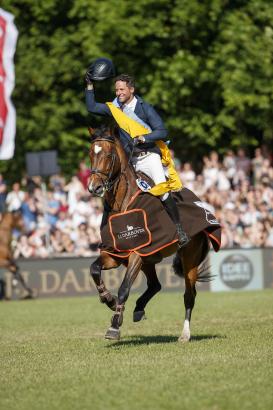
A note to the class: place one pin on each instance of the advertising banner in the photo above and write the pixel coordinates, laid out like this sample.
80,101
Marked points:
268,267
65,277
237,269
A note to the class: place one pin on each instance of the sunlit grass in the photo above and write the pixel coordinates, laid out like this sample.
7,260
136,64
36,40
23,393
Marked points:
54,355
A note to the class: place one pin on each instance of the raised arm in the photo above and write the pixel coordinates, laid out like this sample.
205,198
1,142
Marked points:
92,105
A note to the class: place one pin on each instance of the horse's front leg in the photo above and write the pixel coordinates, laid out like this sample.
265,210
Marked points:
133,268
104,261
154,287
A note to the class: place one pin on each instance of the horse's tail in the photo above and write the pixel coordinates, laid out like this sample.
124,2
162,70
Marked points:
203,273
177,266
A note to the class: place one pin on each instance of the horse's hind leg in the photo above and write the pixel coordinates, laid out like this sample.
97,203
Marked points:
189,300
133,268
18,276
190,258
104,261
154,287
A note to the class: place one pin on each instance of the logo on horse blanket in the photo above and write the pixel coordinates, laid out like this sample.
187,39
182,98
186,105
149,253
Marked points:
145,228
129,230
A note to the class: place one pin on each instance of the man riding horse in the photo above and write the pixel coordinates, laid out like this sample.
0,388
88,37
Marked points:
141,132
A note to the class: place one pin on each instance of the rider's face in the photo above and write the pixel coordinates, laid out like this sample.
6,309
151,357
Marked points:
124,93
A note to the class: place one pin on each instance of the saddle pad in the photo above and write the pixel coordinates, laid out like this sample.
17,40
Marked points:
129,230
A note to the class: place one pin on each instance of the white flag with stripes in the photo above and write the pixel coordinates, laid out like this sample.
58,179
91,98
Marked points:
8,39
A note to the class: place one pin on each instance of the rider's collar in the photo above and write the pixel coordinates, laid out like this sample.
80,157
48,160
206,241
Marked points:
132,104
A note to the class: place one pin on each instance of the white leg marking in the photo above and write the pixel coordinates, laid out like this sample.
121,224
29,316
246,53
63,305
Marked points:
186,333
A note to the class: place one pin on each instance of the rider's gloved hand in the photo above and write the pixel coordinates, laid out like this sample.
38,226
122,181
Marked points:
88,79
139,140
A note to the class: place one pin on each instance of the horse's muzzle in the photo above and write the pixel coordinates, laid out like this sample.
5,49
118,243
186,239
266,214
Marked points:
98,190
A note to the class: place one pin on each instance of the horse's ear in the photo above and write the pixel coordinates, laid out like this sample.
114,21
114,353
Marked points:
91,131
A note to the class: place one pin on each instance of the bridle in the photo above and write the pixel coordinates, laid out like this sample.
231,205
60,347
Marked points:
111,181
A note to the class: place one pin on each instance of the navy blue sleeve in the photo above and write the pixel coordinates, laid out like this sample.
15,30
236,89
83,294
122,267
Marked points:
159,132
95,107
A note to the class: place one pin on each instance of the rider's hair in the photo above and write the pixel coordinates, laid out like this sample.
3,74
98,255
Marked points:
130,81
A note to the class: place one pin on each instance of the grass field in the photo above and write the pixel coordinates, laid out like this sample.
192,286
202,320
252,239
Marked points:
54,355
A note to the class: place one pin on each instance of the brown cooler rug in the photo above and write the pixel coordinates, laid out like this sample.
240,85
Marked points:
145,227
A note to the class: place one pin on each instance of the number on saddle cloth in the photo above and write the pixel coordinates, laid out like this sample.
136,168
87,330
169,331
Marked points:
144,182
143,185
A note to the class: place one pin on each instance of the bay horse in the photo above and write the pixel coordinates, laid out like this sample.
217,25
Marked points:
113,178
8,222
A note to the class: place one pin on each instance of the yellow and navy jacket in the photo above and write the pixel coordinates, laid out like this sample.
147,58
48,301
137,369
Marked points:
145,112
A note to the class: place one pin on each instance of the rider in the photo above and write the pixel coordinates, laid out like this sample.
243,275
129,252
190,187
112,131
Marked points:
146,155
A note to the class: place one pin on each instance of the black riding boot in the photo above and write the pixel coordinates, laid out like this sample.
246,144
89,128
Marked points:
171,208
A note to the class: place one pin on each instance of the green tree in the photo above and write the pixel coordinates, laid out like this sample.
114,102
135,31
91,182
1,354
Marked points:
207,66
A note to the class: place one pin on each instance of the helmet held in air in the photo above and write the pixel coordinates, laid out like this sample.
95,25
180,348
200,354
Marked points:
101,69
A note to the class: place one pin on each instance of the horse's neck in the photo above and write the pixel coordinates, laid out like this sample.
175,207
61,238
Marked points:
6,221
5,228
126,185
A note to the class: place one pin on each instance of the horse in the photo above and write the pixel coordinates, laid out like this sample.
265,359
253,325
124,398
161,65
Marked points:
113,178
8,222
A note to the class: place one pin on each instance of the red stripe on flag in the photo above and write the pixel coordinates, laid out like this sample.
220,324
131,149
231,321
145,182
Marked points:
3,105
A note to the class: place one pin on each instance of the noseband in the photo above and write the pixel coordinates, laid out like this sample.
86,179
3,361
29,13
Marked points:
108,184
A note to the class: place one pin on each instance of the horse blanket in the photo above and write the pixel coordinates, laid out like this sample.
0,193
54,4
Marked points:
145,227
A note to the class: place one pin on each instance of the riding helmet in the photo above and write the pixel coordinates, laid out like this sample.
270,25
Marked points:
101,69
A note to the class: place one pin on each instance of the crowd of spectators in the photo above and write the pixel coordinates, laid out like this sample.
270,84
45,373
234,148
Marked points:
62,219
239,191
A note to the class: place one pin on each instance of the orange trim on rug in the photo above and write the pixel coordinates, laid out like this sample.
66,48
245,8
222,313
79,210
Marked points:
146,227
133,198
118,256
215,239
157,250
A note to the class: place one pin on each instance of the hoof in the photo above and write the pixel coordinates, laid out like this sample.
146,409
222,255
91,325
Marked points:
185,337
112,334
29,295
182,339
138,316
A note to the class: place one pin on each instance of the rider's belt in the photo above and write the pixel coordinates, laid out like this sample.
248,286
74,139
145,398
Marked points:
140,154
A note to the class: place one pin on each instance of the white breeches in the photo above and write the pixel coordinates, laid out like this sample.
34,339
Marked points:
152,166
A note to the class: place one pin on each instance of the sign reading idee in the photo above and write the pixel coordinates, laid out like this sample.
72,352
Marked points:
237,270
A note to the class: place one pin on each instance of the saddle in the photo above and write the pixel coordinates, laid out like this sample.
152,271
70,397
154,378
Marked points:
145,227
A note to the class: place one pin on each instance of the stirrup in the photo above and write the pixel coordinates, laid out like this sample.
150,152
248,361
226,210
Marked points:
183,238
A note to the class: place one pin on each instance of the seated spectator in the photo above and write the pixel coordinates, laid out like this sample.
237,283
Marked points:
15,198
29,212
243,163
229,163
52,209
187,176
82,245
3,194
74,188
257,163
23,248
83,174
38,241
